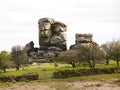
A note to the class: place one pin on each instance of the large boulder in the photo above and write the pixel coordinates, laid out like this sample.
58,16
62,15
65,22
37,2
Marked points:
45,31
59,27
51,33
78,46
83,40
55,40
29,48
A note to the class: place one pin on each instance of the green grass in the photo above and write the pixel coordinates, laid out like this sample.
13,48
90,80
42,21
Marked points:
45,70
111,65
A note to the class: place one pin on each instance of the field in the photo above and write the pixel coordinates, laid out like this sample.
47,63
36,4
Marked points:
45,70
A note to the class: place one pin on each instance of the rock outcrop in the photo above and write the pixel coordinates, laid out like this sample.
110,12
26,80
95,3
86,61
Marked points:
29,48
84,40
52,41
51,35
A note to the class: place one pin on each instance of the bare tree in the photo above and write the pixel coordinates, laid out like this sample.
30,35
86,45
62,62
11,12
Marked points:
106,48
109,48
18,56
70,56
115,53
90,54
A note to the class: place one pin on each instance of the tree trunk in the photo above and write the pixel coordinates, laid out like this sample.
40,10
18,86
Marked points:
4,69
73,64
89,64
107,61
92,64
17,67
117,63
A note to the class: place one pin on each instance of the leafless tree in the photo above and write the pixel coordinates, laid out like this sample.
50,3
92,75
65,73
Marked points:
18,56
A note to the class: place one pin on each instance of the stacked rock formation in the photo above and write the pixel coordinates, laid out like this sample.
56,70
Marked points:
51,35
84,40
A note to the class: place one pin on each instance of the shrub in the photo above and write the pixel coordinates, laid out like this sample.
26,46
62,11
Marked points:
84,72
23,77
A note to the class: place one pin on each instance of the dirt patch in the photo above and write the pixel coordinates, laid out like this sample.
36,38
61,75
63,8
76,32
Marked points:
76,85
28,87
92,86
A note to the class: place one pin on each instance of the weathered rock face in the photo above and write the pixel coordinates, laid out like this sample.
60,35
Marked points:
29,48
84,40
51,34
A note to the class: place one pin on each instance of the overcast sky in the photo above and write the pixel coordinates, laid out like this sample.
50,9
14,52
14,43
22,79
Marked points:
19,19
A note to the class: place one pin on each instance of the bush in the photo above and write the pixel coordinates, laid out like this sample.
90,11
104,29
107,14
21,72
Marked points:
7,78
23,77
84,72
